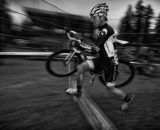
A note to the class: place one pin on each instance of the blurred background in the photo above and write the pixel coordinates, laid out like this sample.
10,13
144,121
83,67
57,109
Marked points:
38,26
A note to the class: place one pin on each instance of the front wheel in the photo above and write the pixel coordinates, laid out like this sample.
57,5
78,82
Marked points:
125,74
58,64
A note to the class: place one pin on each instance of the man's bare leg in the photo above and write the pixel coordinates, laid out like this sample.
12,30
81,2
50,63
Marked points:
81,69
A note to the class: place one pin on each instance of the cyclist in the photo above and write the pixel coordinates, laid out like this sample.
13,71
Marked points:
107,59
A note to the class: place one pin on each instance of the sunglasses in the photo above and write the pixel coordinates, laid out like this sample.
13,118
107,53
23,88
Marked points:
94,17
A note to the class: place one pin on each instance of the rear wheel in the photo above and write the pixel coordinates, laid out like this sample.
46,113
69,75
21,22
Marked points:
125,74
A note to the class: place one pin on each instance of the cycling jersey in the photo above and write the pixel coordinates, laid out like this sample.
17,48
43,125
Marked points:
105,40
108,53
107,59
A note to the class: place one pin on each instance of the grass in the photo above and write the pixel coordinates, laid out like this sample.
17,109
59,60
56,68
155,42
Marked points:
39,104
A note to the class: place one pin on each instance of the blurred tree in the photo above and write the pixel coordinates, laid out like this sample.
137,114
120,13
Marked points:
148,16
157,29
5,24
3,27
139,20
143,16
135,25
127,25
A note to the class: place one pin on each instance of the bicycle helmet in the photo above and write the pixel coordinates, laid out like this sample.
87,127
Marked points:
99,9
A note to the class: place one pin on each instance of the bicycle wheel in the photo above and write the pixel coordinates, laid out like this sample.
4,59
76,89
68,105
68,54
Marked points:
56,66
125,74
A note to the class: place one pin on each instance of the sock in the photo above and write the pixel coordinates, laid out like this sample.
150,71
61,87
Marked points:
79,88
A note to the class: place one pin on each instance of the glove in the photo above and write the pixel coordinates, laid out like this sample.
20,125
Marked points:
94,50
77,45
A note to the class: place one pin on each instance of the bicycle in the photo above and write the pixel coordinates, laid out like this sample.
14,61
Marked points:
66,57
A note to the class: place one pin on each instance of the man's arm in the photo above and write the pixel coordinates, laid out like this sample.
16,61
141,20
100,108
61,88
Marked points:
89,48
110,50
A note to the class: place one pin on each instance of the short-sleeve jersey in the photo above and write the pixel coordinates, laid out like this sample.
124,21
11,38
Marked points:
105,41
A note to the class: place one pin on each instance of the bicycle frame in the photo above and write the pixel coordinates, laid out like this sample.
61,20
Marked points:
79,53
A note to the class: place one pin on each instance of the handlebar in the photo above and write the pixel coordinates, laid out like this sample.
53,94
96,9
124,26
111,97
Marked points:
72,35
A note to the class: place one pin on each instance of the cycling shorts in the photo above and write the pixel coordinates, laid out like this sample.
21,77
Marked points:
109,69
98,64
